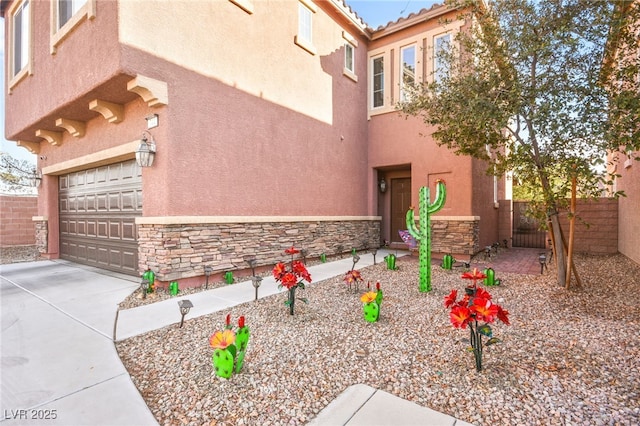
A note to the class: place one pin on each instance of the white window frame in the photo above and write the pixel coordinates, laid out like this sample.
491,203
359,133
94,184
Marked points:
304,38
25,42
437,74
403,93
350,45
349,57
373,82
81,12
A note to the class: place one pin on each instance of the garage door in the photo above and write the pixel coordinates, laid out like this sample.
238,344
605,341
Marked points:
98,208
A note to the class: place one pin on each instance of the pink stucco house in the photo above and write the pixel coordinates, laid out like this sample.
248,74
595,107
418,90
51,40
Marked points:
274,124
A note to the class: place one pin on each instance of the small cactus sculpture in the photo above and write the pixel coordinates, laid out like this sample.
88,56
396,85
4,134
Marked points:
379,295
423,234
150,276
242,339
370,307
230,348
372,302
490,279
448,261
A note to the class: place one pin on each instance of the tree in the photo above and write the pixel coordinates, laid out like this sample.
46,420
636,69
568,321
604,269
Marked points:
17,176
527,89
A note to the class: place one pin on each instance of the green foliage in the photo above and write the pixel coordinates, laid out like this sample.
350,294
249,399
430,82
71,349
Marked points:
529,92
16,175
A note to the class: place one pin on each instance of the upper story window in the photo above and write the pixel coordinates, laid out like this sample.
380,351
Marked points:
441,45
68,8
349,60
20,41
350,45
407,72
305,23
67,15
397,68
304,38
378,82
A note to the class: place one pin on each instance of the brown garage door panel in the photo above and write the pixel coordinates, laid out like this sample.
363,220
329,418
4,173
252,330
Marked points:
98,208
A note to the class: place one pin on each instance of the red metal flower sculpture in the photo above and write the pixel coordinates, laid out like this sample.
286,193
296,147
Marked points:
291,277
475,306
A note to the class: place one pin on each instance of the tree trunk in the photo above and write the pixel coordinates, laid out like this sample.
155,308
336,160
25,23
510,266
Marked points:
561,263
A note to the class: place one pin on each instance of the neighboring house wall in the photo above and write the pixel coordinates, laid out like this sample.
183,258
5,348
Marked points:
16,220
629,209
596,226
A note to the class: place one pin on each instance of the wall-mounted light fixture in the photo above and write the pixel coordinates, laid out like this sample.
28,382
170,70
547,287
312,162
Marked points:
146,152
35,179
383,185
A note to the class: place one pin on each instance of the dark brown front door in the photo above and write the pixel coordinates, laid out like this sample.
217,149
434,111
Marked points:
400,203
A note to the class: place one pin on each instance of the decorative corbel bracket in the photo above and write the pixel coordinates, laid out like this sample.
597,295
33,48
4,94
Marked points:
75,128
32,147
54,138
154,92
113,113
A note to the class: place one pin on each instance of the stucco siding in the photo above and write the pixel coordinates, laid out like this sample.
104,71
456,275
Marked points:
88,58
629,210
256,125
254,53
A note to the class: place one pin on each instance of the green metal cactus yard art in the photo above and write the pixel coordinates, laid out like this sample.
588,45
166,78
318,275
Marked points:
423,234
229,348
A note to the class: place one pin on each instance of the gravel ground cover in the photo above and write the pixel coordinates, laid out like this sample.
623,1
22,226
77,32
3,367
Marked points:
15,254
568,357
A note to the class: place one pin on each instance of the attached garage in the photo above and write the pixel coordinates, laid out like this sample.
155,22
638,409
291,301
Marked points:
98,208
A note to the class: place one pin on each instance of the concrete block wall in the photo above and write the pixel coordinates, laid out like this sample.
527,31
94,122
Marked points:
505,221
596,226
16,224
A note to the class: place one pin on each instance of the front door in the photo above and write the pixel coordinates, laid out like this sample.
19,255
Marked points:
400,203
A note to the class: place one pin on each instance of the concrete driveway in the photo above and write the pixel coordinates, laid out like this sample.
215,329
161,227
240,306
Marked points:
59,363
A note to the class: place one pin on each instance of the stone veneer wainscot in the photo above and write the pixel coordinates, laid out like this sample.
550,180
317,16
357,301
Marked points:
180,247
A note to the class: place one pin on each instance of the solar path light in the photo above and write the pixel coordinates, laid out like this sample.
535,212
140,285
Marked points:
185,306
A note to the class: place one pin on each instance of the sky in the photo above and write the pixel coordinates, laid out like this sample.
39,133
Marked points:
373,12
380,12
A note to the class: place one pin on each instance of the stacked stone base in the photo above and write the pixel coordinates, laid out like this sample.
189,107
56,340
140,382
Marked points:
455,235
180,251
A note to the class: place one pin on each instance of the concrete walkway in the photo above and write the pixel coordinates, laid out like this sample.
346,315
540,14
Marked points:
59,324
59,363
